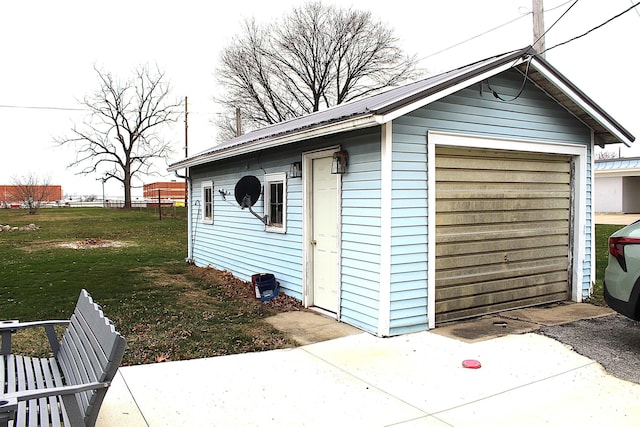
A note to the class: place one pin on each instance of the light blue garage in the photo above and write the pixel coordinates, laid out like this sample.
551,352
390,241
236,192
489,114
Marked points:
466,193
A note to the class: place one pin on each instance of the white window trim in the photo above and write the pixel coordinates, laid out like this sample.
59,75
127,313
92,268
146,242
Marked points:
268,180
205,185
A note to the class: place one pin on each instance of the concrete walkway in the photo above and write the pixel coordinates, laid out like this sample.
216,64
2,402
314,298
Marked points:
359,379
616,218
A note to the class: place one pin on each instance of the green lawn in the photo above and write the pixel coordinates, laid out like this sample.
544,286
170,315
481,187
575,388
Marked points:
603,231
165,308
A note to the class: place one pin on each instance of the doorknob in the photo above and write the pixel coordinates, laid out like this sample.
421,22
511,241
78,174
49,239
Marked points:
313,242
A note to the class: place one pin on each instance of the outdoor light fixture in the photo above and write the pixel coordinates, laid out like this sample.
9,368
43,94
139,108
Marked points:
295,170
340,162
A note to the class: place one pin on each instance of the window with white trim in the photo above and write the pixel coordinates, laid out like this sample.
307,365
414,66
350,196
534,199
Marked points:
275,202
207,202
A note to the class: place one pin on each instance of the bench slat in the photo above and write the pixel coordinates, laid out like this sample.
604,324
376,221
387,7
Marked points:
93,359
55,380
50,367
73,367
90,342
20,384
31,385
42,407
101,326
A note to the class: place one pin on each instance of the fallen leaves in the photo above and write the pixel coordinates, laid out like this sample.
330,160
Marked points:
198,312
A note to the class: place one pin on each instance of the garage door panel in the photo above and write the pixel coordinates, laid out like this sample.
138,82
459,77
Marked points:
502,230
499,291
494,272
464,218
470,261
476,153
493,204
502,163
470,233
504,245
500,189
454,175
449,315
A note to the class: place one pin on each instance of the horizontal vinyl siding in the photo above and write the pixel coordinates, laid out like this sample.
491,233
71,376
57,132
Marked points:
360,289
474,110
408,302
237,241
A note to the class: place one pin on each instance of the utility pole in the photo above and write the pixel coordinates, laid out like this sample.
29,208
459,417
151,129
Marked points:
538,27
238,122
186,149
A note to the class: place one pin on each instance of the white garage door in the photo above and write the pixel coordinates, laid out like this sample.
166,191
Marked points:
502,230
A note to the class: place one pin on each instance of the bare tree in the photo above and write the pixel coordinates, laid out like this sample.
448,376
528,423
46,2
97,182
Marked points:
315,57
120,139
31,190
606,155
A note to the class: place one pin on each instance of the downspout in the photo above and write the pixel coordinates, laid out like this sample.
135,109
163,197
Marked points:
189,259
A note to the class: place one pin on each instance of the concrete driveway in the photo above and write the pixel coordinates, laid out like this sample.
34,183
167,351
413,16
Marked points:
413,380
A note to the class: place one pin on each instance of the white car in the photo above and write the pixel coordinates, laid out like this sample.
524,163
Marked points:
622,276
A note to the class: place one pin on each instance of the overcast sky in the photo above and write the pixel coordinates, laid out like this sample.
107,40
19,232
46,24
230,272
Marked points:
49,50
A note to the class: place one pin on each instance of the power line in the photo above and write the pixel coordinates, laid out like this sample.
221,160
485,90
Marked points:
553,25
33,107
474,37
494,29
637,11
594,28
559,6
39,107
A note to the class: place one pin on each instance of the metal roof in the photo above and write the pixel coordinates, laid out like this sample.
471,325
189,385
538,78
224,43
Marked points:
617,164
377,109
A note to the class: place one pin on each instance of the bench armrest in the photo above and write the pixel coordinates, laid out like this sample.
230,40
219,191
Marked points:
8,327
21,396
8,409
14,325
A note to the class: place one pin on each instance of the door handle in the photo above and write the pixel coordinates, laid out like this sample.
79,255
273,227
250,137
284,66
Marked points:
313,242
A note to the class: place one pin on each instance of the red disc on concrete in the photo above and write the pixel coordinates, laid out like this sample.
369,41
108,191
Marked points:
471,364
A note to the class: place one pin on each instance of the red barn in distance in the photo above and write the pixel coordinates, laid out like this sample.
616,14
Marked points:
168,190
11,194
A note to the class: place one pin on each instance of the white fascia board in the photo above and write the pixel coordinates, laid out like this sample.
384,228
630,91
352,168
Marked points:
575,97
249,147
448,91
618,172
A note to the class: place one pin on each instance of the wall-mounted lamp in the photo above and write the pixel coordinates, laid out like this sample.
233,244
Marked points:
340,162
295,170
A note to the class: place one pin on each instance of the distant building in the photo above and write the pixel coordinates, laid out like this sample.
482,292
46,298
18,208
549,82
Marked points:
617,185
10,194
168,190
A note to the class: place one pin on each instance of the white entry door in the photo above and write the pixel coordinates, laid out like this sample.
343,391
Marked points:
324,235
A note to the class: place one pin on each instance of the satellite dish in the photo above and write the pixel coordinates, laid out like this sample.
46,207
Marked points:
248,191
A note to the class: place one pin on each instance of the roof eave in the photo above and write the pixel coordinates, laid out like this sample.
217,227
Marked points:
359,122
462,81
617,172
617,133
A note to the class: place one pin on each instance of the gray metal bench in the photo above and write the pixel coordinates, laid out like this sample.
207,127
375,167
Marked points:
68,388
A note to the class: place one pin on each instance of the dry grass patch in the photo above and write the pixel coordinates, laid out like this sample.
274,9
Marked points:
194,313
93,243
